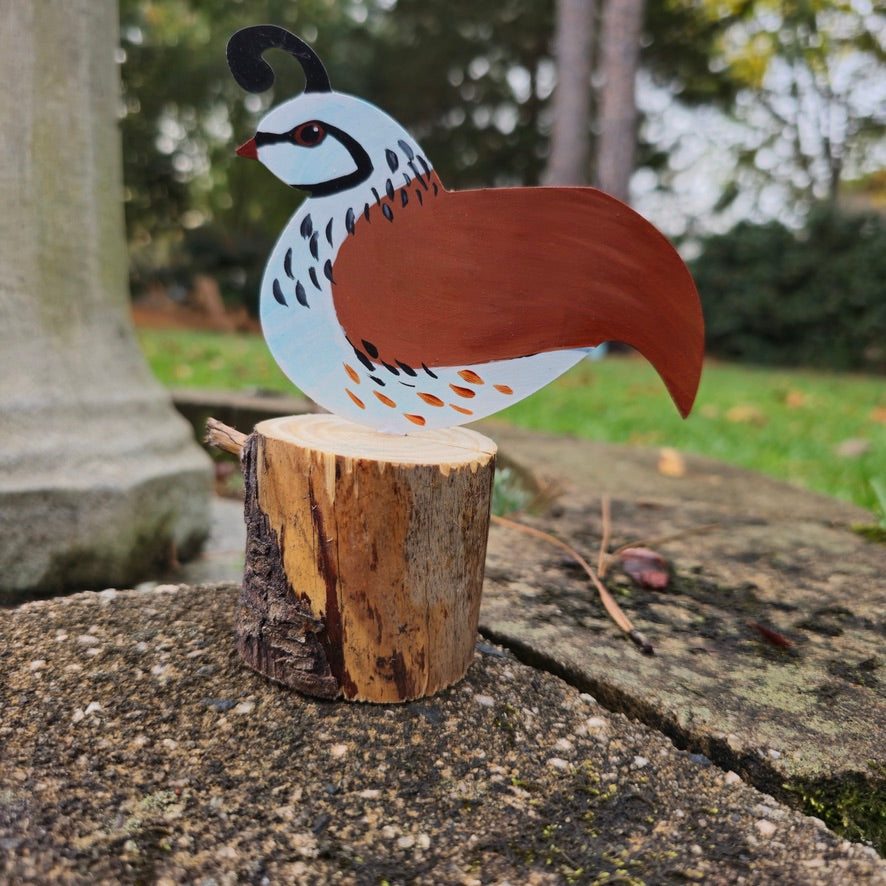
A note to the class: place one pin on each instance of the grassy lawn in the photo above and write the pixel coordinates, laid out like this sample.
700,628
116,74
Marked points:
224,361
824,431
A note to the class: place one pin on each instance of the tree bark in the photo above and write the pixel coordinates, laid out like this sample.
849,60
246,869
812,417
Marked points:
365,556
568,161
617,122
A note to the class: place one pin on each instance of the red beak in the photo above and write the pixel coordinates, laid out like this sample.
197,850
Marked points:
248,149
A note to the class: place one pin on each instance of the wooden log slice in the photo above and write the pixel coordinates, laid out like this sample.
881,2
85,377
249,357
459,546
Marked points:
365,556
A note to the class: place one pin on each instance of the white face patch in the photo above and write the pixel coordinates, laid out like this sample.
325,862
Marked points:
352,127
307,166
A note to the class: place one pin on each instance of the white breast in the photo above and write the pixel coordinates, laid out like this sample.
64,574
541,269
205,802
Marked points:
303,332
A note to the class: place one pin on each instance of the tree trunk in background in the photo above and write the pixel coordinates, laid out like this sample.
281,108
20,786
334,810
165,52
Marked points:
568,162
101,482
617,122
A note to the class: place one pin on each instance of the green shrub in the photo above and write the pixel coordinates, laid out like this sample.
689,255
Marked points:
816,297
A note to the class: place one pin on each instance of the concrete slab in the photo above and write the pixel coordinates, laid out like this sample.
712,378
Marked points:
137,749
803,721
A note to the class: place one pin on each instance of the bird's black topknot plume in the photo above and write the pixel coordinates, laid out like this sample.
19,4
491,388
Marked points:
254,74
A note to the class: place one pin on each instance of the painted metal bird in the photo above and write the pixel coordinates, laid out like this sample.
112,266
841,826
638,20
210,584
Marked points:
399,304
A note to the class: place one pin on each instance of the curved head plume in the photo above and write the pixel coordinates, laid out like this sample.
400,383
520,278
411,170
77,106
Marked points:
254,74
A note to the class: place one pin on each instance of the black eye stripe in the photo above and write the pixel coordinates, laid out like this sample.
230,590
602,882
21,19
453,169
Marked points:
270,138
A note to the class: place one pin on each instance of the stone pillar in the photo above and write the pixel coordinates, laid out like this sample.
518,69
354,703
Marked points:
100,480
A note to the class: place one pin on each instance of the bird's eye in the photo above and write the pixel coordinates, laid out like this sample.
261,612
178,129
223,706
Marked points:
308,135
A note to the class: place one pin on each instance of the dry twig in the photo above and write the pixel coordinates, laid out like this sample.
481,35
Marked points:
606,518
616,613
224,437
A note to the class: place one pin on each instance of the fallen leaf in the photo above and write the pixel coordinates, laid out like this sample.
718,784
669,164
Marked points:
671,463
795,399
747,414
645,567
770,635
853,447
878,414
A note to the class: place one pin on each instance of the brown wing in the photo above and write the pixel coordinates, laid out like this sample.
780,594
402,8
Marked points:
467,277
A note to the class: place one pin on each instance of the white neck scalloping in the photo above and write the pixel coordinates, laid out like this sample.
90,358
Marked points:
297,313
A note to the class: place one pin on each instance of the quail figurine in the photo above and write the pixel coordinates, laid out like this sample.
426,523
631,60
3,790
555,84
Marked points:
400,305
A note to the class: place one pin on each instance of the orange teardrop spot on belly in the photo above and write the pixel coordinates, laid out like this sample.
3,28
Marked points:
463,392
352,373
471,377
386,400
503,389
461,409
355,398
430,399
415,419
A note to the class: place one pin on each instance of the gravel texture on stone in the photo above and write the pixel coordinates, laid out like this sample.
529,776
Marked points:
136,748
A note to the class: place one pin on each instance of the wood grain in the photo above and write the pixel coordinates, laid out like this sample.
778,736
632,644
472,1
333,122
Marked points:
382,542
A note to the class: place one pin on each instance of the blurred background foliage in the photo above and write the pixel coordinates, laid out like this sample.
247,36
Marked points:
814,297
789,98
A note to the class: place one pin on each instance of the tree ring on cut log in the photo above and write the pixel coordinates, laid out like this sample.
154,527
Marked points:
380,542
347,440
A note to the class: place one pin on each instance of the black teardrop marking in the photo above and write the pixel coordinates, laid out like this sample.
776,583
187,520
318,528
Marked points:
421,181
301,295
407,369
389,189
392,369
377,380
404,197
404,146
406,384
315,247
391,157
371,349
366,212
287,264
350,221
364,359
312,273
327,270
329,232
407,179
431,374
307,226
424,165
387,212
376,195
421,199
436,189
278,293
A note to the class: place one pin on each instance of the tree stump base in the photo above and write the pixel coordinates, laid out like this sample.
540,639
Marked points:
364,556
